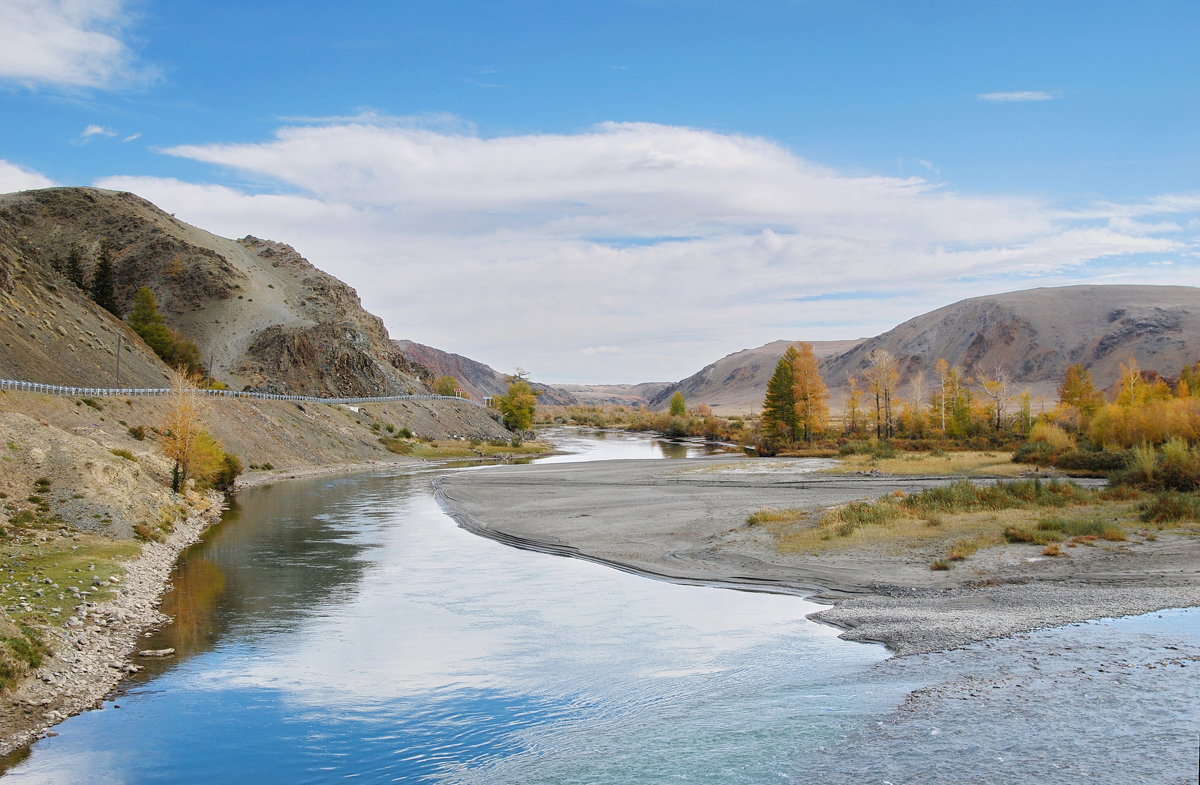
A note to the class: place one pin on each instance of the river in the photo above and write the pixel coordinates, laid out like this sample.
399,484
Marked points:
343,628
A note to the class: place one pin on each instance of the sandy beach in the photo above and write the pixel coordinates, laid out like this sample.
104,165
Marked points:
683,520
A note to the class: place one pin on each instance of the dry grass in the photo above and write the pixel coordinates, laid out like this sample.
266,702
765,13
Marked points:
442,449
961,518
766,515
957,464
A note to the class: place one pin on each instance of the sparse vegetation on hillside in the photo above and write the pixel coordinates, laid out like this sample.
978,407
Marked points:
173,348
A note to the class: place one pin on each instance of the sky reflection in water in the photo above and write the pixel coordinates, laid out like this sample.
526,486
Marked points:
344,626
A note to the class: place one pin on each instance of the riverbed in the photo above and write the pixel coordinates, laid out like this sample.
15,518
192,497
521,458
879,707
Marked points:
345,628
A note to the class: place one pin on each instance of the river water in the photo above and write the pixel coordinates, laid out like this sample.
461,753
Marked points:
343,628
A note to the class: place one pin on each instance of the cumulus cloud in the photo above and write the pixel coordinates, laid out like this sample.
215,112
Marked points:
68,43
676,244
18,178
1017,96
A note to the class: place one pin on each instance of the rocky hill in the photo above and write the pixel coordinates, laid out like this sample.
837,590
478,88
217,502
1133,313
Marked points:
476,379
263,317
1030,336
737,383
1033,335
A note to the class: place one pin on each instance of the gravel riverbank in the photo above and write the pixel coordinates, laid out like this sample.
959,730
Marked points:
94,648
683,520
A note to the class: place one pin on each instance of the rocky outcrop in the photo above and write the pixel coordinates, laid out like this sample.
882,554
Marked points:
263,316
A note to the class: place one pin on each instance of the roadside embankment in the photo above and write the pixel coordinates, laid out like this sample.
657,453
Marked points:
684,520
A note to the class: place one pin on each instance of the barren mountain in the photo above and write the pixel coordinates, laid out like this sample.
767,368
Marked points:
616,394
1029,336
1032,336
737,383
263,316
476,379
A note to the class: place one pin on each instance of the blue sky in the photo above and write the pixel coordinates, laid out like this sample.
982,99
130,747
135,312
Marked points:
623,191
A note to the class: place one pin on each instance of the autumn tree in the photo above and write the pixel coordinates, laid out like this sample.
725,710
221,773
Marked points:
779,407
853,405
810,393
104,280
517,405
942,369
445,385
678,406
1078,391
882,376
194,452
997,388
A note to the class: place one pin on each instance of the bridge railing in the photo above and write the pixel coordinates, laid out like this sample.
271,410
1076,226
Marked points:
122,392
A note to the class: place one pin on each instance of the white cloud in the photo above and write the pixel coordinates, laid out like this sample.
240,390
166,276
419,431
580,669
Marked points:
675,244
96,130
68,43
18,178
1018,96
132,137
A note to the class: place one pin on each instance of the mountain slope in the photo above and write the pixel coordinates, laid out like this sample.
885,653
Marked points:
737,383
263,316
1033,335
476,379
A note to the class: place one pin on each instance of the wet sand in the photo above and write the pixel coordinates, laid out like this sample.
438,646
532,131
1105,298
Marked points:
683,520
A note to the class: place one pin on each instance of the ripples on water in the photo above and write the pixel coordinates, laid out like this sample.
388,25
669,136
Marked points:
343,628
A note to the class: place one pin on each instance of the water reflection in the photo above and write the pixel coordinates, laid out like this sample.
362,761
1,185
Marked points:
344,626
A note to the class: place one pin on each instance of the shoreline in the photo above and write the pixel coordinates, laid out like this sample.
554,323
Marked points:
682,523
92,658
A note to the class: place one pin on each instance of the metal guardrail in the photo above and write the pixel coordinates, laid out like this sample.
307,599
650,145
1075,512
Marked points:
102,392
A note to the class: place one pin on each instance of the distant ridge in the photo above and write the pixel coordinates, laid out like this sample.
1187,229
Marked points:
1031,336
475,378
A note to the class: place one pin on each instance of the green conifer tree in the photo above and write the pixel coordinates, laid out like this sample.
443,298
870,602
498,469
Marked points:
104,280
779,418
74,268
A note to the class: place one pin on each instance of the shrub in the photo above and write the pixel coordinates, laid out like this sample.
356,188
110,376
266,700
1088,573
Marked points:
1082,526
126,454
138,432
940,565
405,433
1100,461
148,533
227,473
1040,453
1052,435
1174,466
1171,507
1017,534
